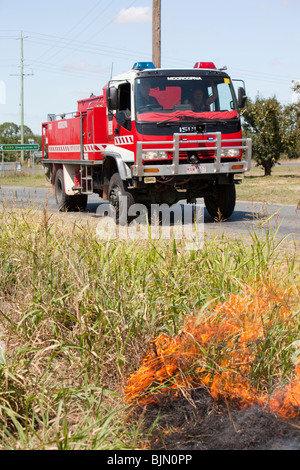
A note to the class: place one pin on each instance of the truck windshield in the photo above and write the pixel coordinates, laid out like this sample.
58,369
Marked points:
166,98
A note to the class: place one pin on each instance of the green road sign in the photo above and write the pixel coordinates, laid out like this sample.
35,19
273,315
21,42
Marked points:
19,147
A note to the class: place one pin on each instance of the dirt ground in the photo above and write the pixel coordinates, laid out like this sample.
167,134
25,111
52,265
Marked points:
198,423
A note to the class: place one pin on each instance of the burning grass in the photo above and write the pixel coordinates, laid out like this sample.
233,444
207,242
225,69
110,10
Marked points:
228,349
232,358
77,317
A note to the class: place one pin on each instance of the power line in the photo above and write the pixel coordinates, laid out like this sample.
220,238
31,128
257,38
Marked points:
100,49
92,75
111,21
81,44
92,48
63,43
71,29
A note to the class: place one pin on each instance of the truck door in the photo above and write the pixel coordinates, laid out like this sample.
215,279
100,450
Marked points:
119,106
123,113
90,137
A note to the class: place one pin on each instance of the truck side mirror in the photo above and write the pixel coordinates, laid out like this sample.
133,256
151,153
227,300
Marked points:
112,98
241,97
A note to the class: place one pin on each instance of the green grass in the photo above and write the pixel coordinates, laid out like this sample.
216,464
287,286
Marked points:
78,315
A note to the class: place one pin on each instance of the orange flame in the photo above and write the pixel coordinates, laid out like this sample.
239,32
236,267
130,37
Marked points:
217,350
286,402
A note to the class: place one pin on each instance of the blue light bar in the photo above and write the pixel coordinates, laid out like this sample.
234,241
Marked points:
143,66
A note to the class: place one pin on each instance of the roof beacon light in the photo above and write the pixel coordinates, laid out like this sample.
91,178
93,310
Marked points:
204,65
143,66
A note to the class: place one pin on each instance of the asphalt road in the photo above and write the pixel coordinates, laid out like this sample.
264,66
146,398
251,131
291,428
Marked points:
246,217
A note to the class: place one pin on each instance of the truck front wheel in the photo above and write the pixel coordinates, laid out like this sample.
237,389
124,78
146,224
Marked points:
220,203
119,199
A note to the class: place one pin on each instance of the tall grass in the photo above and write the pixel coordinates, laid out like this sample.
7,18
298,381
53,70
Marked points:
77,316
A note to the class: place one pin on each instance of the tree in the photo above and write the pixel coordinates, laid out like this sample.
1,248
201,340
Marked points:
292,126
10,133
263,122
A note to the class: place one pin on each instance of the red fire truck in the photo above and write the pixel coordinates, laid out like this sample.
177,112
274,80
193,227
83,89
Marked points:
155,136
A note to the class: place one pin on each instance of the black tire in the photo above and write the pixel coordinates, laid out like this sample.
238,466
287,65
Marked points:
116,189
221,203
63,201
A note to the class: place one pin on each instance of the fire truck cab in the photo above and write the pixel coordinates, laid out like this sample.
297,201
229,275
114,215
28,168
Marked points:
154,136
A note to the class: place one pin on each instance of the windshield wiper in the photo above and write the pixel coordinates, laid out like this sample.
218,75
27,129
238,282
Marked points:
170,122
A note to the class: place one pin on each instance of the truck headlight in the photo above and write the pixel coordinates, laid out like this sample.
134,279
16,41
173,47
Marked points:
154,155
228,152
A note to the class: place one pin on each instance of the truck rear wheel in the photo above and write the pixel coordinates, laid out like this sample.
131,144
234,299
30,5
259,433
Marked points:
220,203
116,190
63,201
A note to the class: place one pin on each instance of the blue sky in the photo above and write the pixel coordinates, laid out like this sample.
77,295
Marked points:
71,47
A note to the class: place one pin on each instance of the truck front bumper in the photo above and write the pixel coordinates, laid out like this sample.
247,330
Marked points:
140,170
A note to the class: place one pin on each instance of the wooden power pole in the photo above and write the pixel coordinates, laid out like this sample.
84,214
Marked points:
156,33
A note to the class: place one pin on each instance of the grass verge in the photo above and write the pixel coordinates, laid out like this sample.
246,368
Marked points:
282,187
25,178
